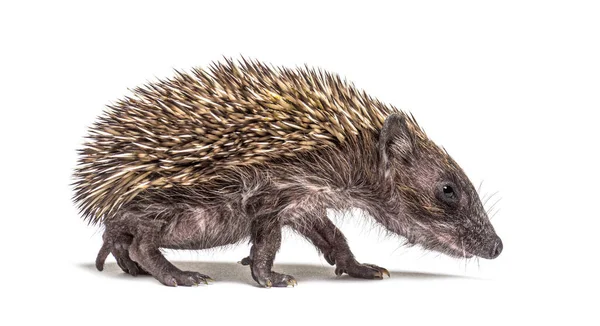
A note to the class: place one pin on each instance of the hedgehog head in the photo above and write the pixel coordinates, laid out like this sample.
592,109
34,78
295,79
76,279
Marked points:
432,194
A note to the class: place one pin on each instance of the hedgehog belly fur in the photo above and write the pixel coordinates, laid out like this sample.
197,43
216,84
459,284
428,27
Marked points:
202,229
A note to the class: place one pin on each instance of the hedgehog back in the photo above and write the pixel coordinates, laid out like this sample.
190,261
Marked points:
181,131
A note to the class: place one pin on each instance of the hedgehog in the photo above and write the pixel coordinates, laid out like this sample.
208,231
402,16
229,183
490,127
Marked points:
235,152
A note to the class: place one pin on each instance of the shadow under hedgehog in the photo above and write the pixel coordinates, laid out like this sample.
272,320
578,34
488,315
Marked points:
235,152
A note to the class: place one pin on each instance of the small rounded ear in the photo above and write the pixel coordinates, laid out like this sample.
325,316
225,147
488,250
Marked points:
395,139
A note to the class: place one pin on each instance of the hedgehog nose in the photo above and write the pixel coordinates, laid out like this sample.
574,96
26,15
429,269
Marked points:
497,249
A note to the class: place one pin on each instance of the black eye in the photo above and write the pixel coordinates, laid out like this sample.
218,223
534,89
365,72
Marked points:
448,191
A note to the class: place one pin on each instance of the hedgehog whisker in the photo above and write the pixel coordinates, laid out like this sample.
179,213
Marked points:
495,203
485,197
494,214
486,201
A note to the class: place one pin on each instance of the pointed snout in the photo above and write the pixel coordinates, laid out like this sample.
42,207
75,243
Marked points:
497,248
492,249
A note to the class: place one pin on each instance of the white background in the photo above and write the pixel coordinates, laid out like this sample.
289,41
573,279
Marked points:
510,88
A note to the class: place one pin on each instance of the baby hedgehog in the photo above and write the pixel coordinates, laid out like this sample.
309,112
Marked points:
238,151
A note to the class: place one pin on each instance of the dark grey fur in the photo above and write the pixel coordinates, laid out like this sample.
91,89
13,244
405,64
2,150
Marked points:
391,175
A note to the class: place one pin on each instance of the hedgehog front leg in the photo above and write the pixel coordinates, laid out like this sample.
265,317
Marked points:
266,242
146,253
332,243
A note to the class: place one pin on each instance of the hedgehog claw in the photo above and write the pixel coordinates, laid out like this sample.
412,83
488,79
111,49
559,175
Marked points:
382,270
184,278
366,271
278,280
273,279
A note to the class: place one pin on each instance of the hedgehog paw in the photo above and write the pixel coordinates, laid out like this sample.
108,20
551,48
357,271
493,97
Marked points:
120,250
184,278
367,271
130,267
270,279
276,280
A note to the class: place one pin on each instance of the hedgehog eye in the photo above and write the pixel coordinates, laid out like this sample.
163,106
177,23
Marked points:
448,191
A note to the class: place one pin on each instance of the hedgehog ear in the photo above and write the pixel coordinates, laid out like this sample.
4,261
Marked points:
395,139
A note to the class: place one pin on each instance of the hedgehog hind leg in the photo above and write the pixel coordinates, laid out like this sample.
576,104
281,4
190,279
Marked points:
120,250
118,244
147,254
